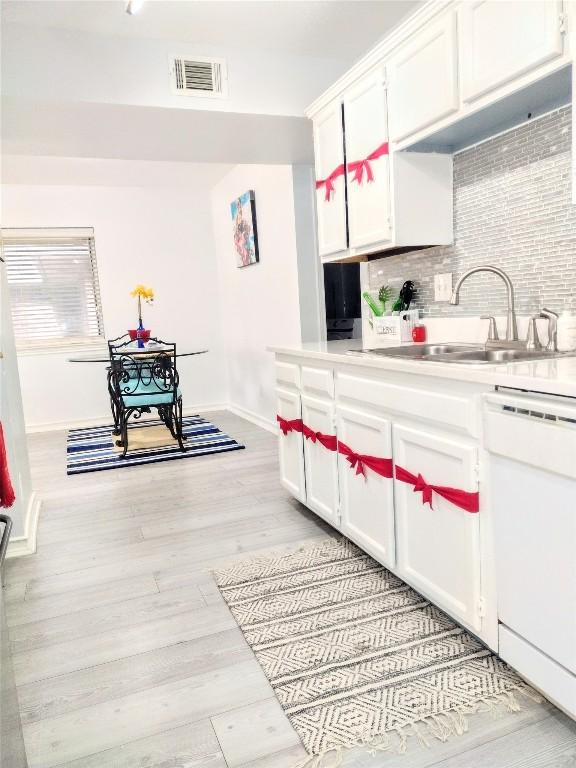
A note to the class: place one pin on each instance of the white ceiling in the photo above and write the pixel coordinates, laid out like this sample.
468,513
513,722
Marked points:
344,28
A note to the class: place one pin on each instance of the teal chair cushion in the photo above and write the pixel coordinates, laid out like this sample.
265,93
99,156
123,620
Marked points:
148,395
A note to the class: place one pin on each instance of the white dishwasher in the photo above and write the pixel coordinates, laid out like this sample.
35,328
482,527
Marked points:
531,440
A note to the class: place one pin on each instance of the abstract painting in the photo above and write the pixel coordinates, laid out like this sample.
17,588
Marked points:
243,211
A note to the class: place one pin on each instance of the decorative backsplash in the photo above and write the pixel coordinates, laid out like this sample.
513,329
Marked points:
512,209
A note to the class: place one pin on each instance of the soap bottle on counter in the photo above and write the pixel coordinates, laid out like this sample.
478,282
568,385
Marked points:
567,328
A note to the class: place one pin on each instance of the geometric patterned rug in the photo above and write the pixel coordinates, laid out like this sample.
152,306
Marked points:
92,449
355,656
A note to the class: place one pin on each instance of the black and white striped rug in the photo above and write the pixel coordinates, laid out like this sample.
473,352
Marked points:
357,657
91,449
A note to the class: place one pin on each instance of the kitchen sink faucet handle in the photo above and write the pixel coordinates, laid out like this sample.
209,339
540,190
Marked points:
492,327
532,340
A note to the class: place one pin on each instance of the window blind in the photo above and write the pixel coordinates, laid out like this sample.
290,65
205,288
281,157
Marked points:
53,284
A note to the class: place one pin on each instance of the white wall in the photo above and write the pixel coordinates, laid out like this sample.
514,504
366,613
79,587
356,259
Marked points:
260,303
152,224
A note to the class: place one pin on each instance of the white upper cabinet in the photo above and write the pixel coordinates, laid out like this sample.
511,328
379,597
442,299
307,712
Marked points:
330,184
367,161
424,78
501,40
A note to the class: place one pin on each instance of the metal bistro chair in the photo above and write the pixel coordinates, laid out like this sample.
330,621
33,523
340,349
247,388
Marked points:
139,380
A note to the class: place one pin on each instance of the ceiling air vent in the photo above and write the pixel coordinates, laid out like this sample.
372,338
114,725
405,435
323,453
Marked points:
198,76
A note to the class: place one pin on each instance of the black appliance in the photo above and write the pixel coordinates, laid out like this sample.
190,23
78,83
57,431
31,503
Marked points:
342,295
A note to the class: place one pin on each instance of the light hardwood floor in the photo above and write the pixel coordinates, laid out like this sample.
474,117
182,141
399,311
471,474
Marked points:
125,654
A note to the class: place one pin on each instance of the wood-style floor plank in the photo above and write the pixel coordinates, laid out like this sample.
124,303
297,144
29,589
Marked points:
125,653
193,745
82,732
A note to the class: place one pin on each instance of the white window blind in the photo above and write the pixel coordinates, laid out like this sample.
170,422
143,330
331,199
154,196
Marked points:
53,283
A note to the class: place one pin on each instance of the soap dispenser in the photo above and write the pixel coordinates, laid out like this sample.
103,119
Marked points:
567,328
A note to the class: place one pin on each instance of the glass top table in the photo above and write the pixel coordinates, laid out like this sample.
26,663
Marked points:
151,349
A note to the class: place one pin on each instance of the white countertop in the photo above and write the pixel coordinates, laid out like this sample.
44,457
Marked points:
555,376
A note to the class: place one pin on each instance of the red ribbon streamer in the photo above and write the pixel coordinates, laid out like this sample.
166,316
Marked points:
359,166
466,500
295,425
328,441
328,182
360,461
7,496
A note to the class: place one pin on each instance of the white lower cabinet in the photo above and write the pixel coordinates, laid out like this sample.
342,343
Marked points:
438,549
366,501
321,464
290,446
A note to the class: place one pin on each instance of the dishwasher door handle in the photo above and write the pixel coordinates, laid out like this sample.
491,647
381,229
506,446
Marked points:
5,537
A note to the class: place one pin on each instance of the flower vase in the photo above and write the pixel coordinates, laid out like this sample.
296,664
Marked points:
139,334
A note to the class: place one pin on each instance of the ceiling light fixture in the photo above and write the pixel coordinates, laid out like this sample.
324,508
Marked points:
134,6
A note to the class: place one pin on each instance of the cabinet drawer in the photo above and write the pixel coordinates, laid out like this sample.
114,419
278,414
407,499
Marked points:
318,381
288,374
449,409
550,678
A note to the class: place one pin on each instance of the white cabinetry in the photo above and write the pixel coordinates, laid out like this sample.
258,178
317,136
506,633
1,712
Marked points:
366,123
377,201
290,445
331,200
321,464
501,40
424,79
438,550
366,500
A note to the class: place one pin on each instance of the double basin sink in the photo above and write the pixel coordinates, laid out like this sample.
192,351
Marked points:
463,354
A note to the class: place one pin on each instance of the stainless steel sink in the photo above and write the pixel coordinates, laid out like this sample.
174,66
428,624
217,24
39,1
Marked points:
462,354
420,351
495,356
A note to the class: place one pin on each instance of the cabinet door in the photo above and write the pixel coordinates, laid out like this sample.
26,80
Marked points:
424,79
502,39
438,549
328,156
290,445
321,464
366,501
366,120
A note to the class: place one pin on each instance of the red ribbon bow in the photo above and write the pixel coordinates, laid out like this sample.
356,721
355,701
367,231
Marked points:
466,500
328,441
295,425
421,486
359,166
360,461
328,182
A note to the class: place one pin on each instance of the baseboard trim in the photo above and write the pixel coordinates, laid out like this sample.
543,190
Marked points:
26,545
255,418
100,421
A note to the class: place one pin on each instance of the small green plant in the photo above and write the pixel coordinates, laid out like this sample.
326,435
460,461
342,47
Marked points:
384,295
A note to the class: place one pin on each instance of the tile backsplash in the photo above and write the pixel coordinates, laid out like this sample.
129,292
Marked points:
512,209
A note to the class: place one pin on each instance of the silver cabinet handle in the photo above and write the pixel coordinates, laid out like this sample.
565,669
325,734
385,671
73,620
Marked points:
5,536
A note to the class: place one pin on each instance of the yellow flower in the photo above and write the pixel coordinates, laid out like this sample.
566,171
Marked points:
143,292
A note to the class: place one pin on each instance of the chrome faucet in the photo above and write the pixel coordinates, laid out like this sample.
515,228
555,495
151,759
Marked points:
511,327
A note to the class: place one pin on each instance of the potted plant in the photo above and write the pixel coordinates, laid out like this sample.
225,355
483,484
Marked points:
141,292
